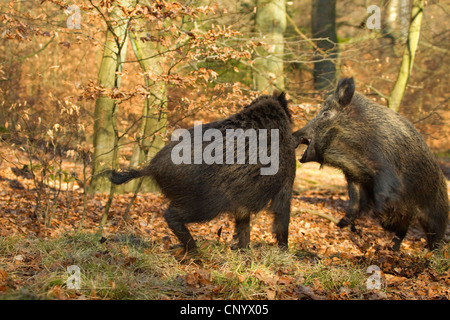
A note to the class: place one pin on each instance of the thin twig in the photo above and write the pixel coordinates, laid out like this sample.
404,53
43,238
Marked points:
433,111
320,214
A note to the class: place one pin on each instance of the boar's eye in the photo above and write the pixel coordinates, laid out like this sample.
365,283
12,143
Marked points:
325,114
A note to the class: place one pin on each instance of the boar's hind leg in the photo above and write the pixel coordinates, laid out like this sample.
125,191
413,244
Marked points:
281,207
174,218
386,189
434,225
395,221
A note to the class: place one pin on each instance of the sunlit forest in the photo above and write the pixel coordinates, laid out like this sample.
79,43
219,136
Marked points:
90,87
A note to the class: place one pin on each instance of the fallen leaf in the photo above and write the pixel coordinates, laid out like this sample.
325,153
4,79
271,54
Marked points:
271,294
56,292
18,259
305,291
191,279
3,276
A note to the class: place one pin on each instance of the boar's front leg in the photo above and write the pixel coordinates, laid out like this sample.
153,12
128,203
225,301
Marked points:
242,229
356,206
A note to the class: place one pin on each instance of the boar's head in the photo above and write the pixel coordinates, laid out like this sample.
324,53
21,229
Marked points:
318,133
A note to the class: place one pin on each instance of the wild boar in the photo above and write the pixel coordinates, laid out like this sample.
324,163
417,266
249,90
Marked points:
203,177
387,164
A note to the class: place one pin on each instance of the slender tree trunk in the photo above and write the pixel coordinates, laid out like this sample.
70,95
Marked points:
409,52
396,19
323,25
270,24
154,116
105,134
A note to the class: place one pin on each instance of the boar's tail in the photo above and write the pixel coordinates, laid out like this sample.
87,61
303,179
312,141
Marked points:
119,177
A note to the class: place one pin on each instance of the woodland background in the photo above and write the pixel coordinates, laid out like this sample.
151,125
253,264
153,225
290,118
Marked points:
86,86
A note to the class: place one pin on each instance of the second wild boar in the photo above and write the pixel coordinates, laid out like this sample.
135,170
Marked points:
386,162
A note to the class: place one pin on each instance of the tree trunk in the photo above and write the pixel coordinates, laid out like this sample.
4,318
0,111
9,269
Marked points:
396,19
270,24
409,52
154,115
105,115
323,25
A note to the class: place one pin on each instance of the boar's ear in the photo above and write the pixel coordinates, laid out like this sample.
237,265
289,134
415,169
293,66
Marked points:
344,91
281,98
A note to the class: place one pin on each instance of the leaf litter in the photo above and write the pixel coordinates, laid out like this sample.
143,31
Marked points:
319,264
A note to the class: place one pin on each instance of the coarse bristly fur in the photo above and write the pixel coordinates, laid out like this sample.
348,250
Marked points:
199,192
388,166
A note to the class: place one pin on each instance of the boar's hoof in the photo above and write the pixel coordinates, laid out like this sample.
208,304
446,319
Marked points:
396,244
344,222
237,247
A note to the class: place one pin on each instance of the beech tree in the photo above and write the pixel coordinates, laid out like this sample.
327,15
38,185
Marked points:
409,53
323,27
106,108
154,112
396,19
270,26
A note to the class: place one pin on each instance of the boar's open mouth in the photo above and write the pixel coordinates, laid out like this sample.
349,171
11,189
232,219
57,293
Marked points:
305,141
308,151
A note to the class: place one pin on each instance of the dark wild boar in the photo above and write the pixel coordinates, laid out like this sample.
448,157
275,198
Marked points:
388,166
200,190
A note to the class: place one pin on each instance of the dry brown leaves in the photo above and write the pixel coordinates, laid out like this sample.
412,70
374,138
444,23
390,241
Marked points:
406,275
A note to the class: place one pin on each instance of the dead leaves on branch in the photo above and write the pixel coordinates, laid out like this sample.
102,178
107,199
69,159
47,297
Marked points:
161,10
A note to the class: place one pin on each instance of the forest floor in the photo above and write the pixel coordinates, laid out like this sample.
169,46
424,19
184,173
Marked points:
135,259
